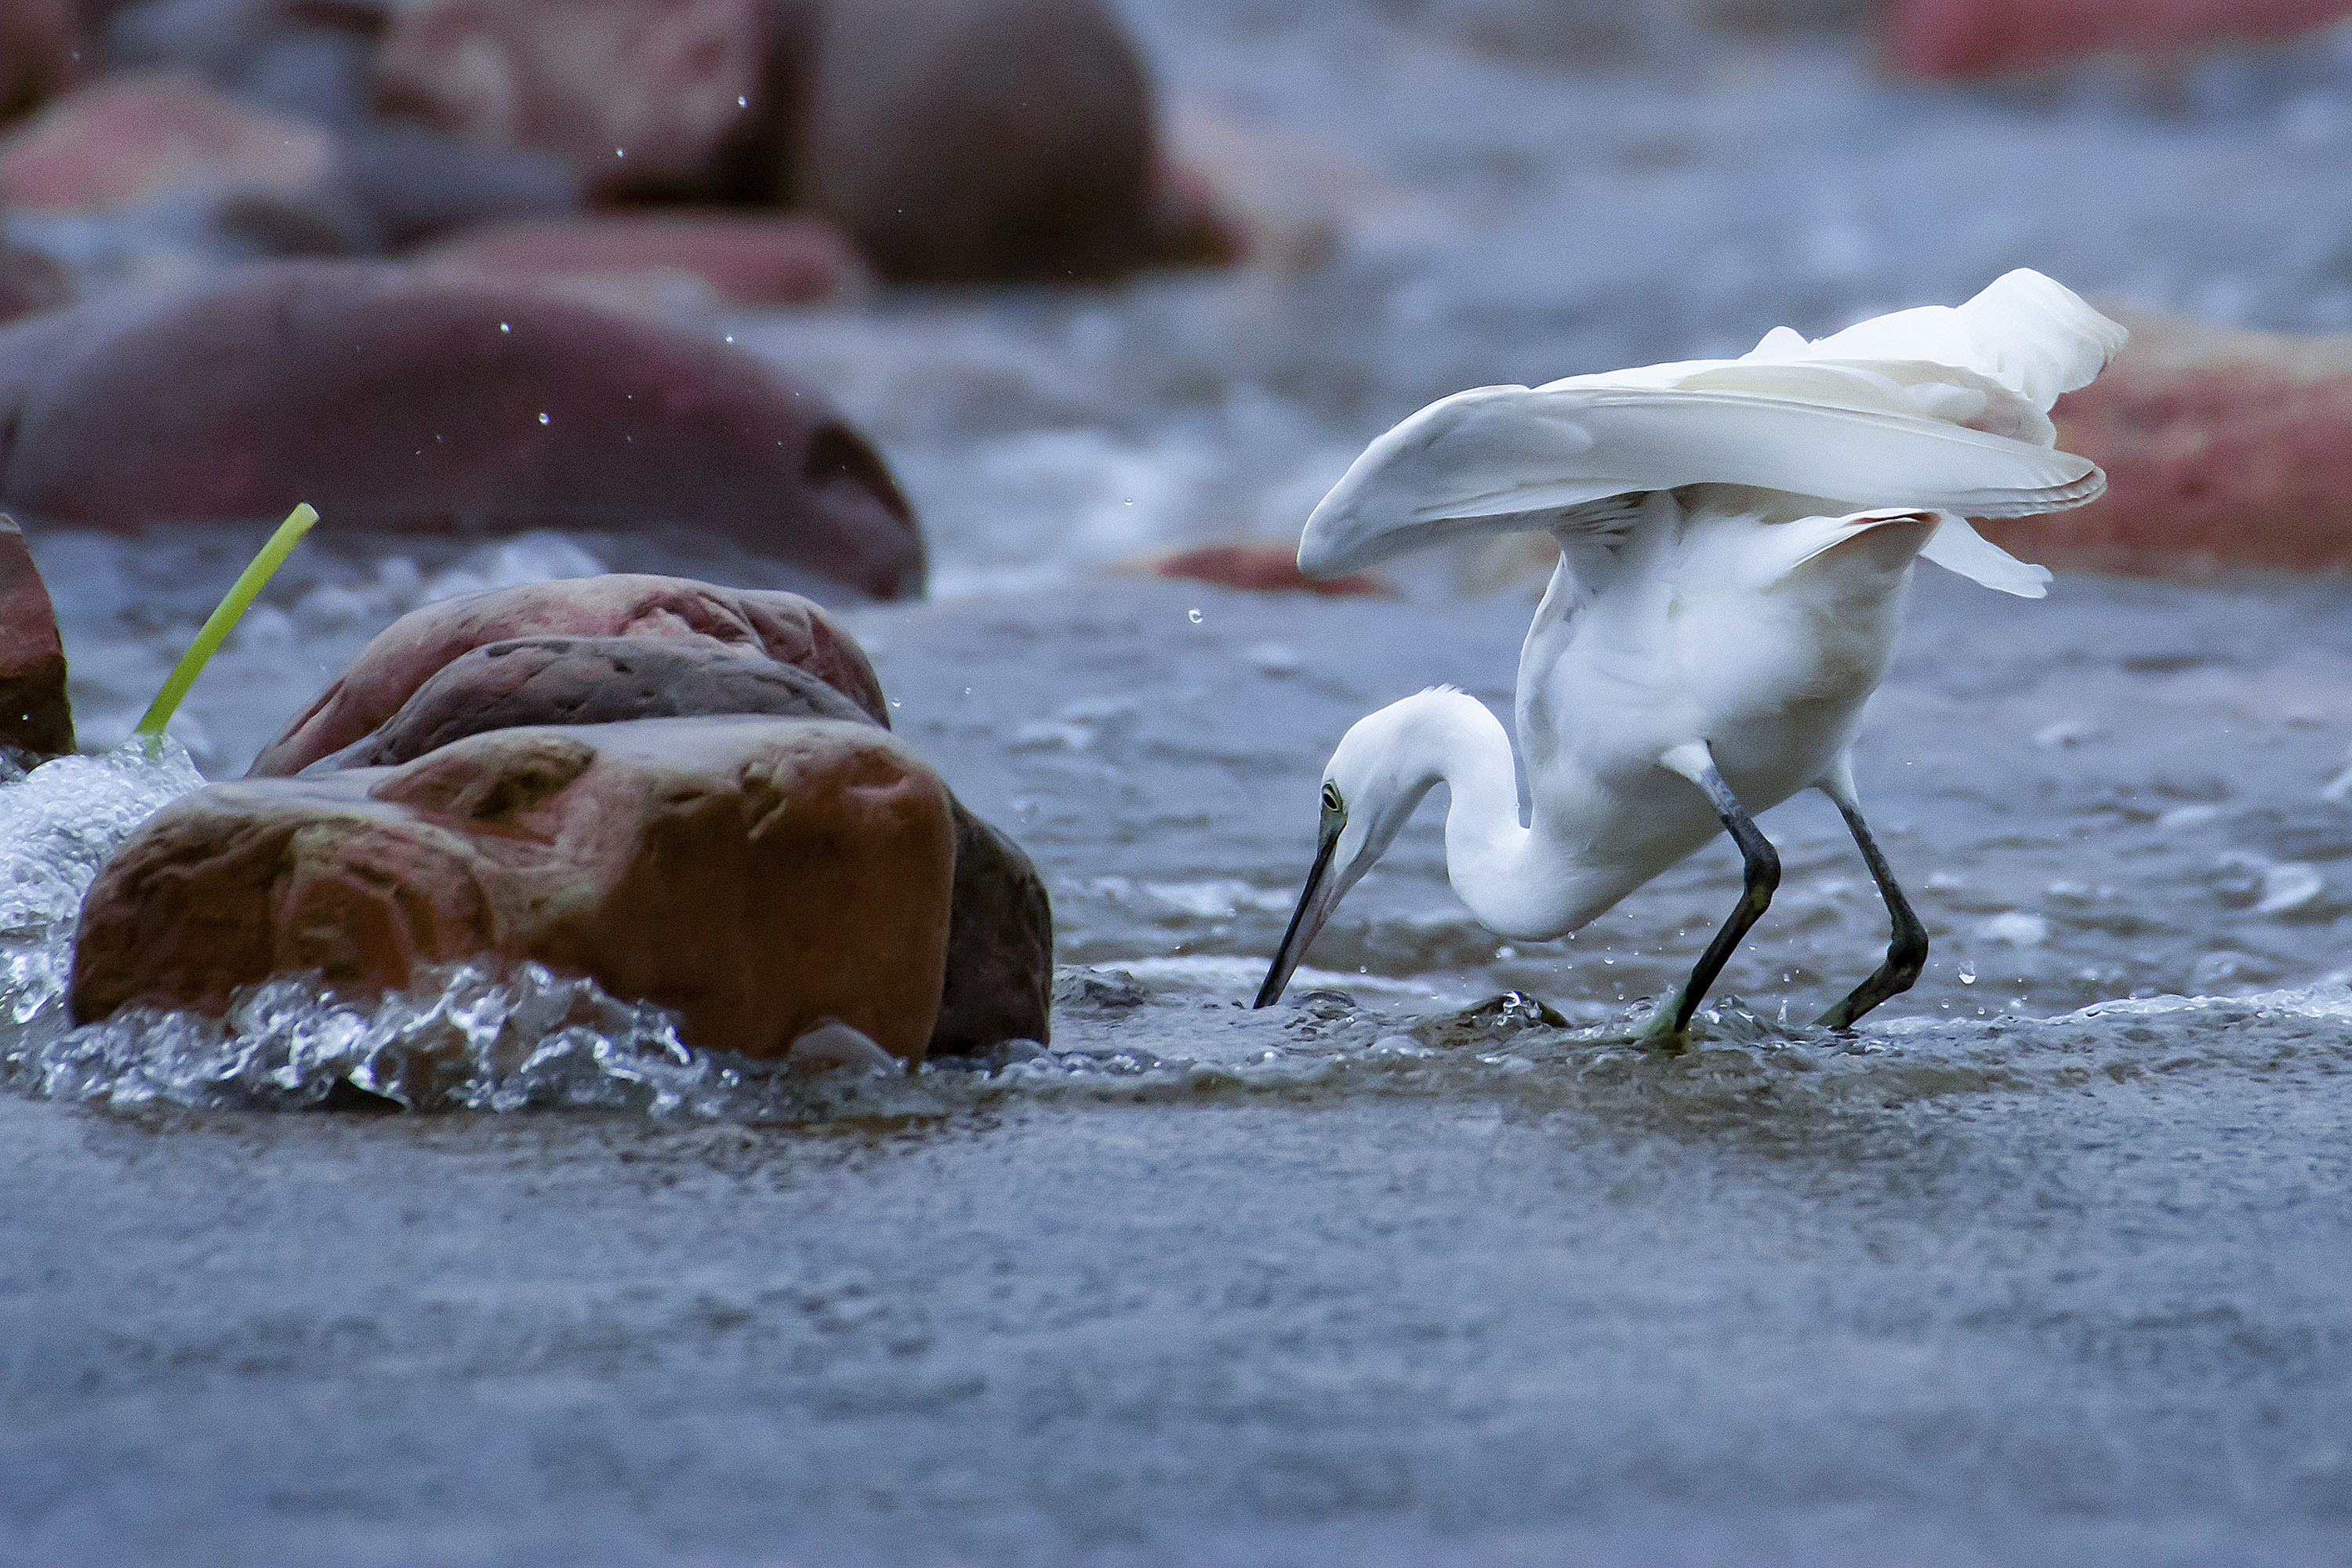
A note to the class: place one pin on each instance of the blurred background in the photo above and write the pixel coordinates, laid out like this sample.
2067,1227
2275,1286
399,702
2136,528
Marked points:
1102,281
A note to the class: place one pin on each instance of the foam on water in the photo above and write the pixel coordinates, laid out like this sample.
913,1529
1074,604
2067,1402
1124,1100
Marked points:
472,1037
58,826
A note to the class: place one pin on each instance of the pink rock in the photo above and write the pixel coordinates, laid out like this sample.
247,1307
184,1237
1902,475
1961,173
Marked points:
638,94
395,402
758,876
40,45
1962,38
416,647
2221,447
127,139
1263,568
747,257
34,717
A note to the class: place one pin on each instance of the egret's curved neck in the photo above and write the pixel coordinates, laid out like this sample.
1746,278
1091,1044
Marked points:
1516,883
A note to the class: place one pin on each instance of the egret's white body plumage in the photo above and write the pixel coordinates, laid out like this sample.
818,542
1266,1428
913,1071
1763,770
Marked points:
1735,538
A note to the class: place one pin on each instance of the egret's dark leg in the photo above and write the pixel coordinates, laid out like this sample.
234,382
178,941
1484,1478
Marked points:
1763,869
1907,949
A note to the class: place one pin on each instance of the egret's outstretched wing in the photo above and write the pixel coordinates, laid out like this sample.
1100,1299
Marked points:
1506,457
2033,336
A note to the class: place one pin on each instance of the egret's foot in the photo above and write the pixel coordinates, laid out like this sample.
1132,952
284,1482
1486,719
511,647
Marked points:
1841,1017
1665,1033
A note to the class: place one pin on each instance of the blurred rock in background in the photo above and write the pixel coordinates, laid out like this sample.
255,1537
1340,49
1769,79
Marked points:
1587,33
391,400
41,49
133,138
745,257
1967,37
948,140
2221,448
952,140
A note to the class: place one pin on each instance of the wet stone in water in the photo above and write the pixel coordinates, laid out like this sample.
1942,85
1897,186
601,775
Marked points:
1100,988
1490,1021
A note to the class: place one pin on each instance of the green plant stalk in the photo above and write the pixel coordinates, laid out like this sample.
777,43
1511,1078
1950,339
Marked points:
224,619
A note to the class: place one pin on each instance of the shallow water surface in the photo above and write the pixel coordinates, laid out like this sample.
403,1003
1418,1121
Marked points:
2000,1277
2059,1292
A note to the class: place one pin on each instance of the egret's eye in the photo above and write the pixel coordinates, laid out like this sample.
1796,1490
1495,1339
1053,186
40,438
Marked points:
1331,800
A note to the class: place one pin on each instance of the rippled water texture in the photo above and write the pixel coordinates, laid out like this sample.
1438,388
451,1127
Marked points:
2052,1262
1357,1278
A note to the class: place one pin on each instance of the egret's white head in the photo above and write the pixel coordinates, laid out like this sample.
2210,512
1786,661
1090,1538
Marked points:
1384,765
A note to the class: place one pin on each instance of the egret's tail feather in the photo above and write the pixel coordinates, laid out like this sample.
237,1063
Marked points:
1957,547
1782,547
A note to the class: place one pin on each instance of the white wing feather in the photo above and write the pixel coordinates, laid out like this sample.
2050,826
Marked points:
1939,409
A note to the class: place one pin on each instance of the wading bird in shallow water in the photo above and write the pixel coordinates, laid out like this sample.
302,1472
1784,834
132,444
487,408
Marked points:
1720,611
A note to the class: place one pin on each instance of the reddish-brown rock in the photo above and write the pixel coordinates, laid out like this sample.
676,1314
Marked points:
415,648
591,680
2221,447
999,984
391,402
40,43
1964,37
757,876
1263,568
128,140
638,94
36,719
999,979
747,257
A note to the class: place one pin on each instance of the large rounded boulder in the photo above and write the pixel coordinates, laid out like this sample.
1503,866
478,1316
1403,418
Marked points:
392,401
757,876
604,650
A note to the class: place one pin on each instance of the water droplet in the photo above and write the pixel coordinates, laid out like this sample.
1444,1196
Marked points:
1967,972
1194,617
542,419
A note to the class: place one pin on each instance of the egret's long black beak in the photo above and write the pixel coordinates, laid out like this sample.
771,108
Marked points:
1315,904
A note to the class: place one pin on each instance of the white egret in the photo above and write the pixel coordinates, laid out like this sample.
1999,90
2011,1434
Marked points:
1720,611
